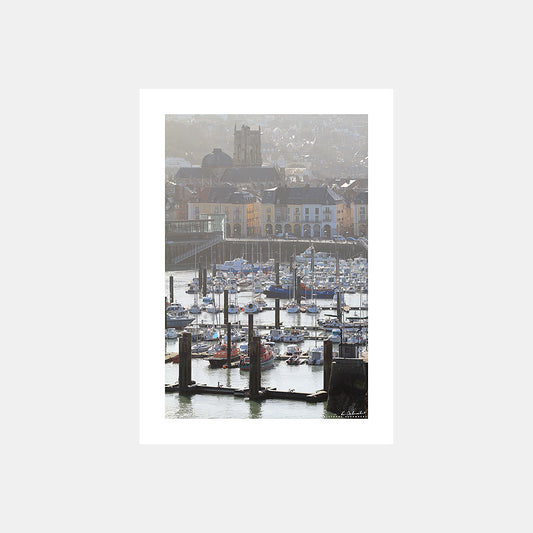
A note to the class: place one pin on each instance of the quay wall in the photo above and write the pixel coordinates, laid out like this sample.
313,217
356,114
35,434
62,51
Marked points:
258,249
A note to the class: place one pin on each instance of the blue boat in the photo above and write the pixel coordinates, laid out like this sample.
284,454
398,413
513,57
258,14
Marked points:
279,292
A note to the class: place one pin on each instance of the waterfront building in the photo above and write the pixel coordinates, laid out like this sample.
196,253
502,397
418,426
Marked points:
344,219
237,206
300,211
360,214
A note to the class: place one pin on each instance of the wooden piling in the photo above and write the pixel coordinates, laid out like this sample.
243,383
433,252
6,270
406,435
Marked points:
255,368
276,268
204,282
276,314
298,289
339,310
171,284
226,306
228,345
328,359
250,329
185,374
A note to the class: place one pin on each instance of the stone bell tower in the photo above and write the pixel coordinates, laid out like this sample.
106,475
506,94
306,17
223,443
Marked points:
247,147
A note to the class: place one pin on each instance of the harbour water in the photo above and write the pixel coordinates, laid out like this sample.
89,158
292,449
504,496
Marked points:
302,378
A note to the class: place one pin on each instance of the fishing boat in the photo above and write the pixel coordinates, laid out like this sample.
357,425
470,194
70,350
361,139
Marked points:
313,308
260,303
200,348
220,357
319,257
238,265
171,333
197,333
179,320
212,308
316,356
193,287
294,353
195,309
233,309
211,334
274,335
335,336
251,307
292,307
266,357
293,335
236,336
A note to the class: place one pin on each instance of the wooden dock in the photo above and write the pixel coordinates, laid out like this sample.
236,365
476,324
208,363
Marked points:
269,393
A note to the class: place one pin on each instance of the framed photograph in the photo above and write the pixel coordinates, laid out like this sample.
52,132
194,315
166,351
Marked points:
266,266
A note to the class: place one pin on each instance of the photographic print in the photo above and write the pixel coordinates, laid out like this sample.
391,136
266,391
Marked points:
267,267
266,260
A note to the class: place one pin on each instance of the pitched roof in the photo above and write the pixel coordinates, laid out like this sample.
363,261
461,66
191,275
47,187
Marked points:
250,174
301,195
225,195
190,173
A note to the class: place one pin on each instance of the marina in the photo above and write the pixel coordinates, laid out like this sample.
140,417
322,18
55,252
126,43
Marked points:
293,373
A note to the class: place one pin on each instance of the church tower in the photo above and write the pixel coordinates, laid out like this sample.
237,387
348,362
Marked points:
247,147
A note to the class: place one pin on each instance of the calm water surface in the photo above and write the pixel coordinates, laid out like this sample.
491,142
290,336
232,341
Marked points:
301,378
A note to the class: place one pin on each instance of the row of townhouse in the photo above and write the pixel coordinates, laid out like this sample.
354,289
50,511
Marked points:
300,211
241,209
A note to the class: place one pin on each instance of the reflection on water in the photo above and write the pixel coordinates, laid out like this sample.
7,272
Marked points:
301,378
255,409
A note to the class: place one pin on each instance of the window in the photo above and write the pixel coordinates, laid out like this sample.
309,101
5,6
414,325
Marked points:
317,210
306,210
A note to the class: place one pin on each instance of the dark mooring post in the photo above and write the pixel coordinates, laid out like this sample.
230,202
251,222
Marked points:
298,289
328,359
185,362
226,306
339,310
290,263
204,282
228,345
255,368
200,285
171,284
276,268
250,329
276,313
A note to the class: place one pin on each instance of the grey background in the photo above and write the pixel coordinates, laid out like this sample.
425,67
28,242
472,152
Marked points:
462,193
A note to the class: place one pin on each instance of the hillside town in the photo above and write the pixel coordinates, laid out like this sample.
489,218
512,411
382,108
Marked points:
255,193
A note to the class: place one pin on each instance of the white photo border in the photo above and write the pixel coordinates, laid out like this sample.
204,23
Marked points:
154,105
